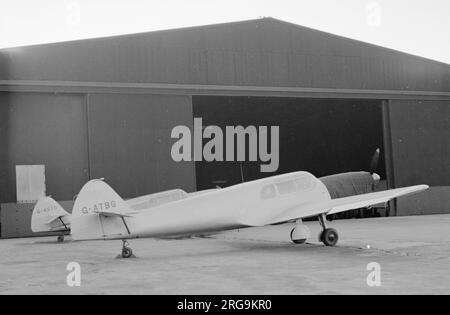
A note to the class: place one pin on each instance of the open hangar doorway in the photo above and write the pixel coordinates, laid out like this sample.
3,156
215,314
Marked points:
321,136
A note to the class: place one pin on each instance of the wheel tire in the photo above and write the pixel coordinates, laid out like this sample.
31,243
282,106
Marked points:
329,237
60,239
127,252
301,241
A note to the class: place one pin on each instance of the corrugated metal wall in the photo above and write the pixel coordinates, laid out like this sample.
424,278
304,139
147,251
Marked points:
263,52
15,219
420,132
44,129
420,137
127,141
436,200
130,143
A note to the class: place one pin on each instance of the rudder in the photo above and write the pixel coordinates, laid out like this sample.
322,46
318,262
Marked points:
99,213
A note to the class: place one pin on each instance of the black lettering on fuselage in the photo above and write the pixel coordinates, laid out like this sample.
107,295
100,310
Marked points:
98,207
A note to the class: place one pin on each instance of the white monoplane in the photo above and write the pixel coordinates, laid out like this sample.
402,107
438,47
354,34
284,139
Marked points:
99,213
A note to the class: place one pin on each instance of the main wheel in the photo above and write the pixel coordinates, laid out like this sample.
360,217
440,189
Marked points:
329,237
297,241
127,252
60,238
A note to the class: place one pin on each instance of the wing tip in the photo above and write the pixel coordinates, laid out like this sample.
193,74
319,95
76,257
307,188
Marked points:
421,187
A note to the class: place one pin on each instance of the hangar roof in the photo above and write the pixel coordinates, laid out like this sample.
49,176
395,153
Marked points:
261,53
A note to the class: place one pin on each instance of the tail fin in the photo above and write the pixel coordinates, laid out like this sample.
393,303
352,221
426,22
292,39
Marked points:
99,213
49,216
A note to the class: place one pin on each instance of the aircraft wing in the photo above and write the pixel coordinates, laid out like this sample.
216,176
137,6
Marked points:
366,200
61,223
333,206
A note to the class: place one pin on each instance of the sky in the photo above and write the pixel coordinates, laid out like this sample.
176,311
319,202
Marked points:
419,27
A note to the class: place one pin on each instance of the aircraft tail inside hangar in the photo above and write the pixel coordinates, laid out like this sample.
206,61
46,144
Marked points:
105,108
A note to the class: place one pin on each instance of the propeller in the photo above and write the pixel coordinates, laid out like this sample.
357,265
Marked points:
373,167
374,163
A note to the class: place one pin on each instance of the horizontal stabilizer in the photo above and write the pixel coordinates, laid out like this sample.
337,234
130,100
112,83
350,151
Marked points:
56,218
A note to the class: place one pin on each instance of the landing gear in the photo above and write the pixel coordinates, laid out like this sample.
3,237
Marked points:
300,233
328,236
60,238
126,251
297,241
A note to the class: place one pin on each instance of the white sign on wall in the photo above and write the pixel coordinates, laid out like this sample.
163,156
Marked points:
30,183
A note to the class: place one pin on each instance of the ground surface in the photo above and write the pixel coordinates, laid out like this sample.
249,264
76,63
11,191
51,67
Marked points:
413,252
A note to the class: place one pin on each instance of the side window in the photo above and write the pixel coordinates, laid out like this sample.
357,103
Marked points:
304,183
286,187
268,192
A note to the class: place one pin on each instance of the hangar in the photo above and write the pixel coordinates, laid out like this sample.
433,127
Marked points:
105,107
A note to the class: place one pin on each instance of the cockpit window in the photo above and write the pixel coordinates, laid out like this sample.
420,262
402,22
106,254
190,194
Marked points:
304,183
286,187
268,192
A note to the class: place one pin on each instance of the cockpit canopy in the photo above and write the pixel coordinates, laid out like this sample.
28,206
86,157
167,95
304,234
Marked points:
289,186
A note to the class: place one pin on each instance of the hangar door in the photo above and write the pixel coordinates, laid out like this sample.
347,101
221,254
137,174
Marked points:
322,136
420,137
130,142
47,129
420,132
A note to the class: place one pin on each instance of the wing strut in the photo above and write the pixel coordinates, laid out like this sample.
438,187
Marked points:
115,214
126,225
65,226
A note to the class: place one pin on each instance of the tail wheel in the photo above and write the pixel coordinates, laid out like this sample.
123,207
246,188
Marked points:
127,252
297,241
60,238
329,237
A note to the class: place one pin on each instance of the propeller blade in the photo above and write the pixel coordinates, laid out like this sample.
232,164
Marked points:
374,163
